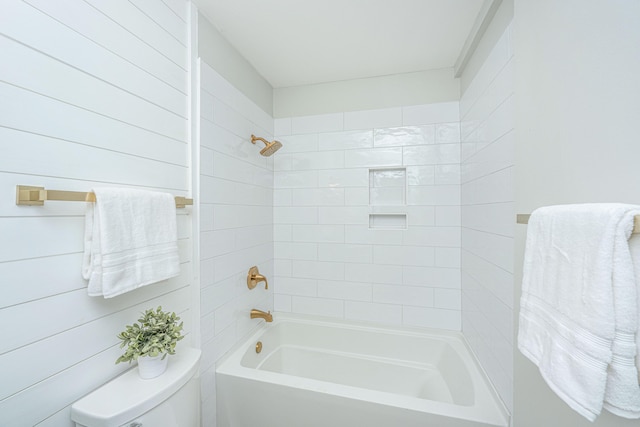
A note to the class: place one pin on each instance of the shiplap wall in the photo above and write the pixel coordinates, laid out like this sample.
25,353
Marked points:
92,93
236,222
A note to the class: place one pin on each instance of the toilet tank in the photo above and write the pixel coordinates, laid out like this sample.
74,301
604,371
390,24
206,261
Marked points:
170,400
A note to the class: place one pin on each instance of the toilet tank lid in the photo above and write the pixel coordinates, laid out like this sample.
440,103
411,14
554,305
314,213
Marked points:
128,396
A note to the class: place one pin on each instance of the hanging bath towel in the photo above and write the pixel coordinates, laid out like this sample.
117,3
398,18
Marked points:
579,306
130,240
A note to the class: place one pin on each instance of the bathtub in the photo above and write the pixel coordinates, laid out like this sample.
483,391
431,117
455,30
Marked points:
318,373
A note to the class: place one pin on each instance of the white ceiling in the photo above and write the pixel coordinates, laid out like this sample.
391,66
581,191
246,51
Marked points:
296,42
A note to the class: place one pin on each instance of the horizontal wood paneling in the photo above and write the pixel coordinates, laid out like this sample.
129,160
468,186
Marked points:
32,27
92,93
163,17
22,109
109,33
34,154
42,74
177,7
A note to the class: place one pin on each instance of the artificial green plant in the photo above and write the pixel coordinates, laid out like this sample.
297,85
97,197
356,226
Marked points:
157,333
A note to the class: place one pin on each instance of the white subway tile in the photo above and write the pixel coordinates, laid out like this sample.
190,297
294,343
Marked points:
304,143
295,250
404,255
404,136
448,216
318,270
356,196
345,140
405,295
448,298
206,161
421,175
282,267
296,286
431,318
343,178
421,215
430,113
447,133
448,257
249,236
295,215
361,234
339,252
373,157
217,295
343,215
447,174
317,306
282,232
318,160
431,154
434,195
206,217
207,276
282,303
373,312
282,197
318,197
206,105
318,233
318,123
373,273
382,118
283,162
344,290
295,179
231,120
229,216
436,277
282,127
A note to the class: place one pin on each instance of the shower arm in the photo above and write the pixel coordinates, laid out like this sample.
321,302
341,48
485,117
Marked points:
257,138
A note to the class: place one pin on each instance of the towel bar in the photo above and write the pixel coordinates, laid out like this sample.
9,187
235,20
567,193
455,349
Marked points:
524,219
36,196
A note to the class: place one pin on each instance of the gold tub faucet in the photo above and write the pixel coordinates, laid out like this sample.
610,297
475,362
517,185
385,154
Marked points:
254,276
259,314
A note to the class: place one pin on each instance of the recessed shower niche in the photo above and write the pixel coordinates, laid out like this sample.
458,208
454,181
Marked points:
388,198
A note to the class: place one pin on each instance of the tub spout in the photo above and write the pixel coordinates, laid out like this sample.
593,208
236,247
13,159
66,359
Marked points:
259,314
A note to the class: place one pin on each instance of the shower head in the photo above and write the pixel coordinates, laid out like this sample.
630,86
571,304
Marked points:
270,147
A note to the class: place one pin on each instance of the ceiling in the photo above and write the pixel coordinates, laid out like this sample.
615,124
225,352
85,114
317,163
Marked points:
297,42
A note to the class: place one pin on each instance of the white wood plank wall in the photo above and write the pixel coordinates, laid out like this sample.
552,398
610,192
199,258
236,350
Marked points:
92,92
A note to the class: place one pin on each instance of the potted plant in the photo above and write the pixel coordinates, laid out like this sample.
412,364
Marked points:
150,341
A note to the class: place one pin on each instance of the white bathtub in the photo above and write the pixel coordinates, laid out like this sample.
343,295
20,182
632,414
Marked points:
323,373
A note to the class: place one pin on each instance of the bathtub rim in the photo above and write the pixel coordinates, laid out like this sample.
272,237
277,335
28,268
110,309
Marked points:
488,407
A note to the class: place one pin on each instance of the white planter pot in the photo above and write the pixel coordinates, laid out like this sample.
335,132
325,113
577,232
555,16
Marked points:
151,367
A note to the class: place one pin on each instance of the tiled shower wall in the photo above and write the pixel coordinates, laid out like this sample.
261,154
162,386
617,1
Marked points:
335,170
236,222
488,217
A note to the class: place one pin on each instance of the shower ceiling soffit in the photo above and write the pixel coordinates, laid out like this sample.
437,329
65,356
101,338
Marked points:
298,42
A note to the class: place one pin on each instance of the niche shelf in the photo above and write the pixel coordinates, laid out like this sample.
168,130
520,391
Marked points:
388,221
387,196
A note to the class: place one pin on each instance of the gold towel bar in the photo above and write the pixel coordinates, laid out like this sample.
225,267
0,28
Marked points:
36,196
524,219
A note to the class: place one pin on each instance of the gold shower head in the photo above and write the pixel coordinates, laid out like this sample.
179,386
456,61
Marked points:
271,147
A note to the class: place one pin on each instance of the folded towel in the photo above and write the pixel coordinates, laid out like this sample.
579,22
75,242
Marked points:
579,311
130,240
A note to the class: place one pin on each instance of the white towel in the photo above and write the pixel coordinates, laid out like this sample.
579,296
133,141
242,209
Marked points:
579,311
130,240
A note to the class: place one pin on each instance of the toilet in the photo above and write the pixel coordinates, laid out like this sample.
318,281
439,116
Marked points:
170,400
